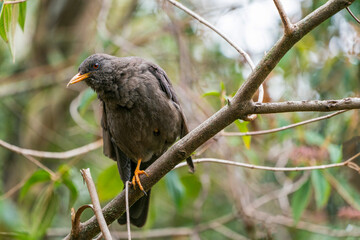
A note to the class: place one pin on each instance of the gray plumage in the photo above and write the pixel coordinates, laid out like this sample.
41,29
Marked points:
141,115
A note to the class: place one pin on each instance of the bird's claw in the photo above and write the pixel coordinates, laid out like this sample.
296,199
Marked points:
136,179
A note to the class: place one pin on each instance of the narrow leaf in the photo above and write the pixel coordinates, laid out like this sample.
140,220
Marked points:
300,200
211,93
242,126
175,188
46,206
322,188
37,177
22,15
73,191
5,17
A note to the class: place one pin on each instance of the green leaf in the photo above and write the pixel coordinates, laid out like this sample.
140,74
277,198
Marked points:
300,200
73,191
109,183
5,18
242,126
175,188
222,86
36,177
22,14
191,184
211,93
322,188
45,209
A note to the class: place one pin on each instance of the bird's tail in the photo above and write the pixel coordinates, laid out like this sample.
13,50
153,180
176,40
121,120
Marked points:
138,211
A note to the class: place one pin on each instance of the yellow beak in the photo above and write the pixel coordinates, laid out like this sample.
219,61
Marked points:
77,78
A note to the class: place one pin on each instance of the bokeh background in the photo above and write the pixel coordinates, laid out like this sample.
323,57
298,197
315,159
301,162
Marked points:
38,112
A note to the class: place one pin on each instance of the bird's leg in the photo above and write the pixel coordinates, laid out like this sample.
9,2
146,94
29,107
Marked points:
136,178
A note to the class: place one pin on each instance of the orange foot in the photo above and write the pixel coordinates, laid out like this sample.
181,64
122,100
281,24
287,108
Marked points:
136,178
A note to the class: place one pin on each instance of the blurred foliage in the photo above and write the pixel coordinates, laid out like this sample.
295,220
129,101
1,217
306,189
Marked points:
52,38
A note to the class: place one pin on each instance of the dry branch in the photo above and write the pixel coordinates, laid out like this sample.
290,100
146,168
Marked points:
96,203
288,27
55,155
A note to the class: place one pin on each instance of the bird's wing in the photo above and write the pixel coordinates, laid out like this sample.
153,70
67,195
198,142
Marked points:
112,151
169,90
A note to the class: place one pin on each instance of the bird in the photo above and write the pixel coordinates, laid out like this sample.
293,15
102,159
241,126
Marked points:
141,117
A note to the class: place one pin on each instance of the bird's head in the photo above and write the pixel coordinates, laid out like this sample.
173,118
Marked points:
96,70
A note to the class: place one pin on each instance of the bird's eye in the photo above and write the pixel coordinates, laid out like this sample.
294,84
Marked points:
95,66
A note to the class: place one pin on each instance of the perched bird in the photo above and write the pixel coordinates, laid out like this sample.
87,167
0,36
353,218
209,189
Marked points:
141,117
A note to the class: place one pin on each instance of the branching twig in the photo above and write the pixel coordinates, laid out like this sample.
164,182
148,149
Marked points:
233,44
266,168
281,128
96,203
288,27
56,155
212,27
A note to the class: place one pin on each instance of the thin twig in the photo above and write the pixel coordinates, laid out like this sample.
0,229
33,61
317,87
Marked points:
353,15
40,165
127,209
279,192
282,128
266,168
310,227
14,2
55,155
288,27
212,27
15,188
233,44
96,203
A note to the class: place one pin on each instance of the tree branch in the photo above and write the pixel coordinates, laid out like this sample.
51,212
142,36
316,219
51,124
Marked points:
14,2
266,168
262,132
306,106
212,27
55,155
288,27
286,42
